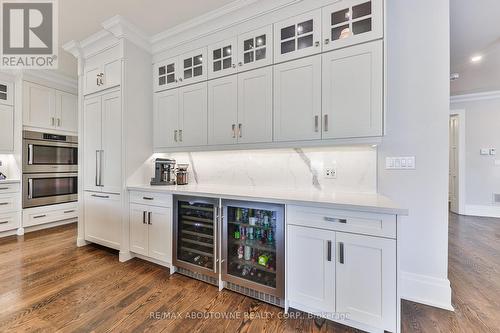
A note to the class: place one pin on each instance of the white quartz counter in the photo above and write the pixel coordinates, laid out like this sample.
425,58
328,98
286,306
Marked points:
366,202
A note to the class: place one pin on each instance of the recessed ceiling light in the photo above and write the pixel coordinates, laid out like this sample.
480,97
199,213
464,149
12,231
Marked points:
476,58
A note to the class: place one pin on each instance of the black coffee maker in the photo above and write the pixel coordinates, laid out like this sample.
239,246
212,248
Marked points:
164,172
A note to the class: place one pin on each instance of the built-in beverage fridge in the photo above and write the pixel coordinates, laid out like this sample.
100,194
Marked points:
253,247
196,236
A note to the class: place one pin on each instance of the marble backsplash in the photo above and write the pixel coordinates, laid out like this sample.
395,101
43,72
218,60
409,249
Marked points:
300,168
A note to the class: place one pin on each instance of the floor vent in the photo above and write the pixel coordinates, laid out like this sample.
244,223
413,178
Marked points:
256,294
198,276
496,198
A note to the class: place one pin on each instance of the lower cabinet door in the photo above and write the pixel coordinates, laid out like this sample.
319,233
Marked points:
311,269
366,279
139,229
160,233
103,219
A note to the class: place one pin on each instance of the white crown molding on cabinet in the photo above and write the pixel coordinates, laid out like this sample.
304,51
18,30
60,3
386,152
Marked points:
51,78
482,96
223,18
121,28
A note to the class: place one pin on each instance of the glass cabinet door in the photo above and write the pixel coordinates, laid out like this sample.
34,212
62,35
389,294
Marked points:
193,67
195,233
222,58
166,74
6,93
350,22
298,36
255,48
253,247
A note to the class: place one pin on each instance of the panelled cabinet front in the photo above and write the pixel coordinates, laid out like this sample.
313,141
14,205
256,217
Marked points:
6,128
103,214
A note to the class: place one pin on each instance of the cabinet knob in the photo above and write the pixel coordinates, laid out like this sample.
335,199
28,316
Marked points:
234,66
240,64
327,41
180,79
316,43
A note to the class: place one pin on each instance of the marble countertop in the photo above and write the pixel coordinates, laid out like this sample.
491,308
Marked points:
9,181
366,202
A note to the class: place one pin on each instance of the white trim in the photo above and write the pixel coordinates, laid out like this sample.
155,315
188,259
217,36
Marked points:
426,289
121,28
482,210
461,159
494,94
51,78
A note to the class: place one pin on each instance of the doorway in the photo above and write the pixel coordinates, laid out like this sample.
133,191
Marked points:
457,162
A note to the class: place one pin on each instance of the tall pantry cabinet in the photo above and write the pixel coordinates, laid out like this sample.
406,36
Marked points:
115,137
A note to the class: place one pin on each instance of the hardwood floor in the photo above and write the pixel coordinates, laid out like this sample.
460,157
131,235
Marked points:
47,284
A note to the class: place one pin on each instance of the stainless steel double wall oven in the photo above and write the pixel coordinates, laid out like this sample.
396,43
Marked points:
50,169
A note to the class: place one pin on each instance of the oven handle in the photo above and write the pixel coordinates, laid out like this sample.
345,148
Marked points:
30,154
30,188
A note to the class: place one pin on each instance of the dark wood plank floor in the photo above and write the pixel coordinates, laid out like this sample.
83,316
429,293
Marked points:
47,284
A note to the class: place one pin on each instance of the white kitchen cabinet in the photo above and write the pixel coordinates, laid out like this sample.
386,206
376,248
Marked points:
193,115
151,230
297,37
222,58
353,91
255,48
139,229
166,74
6,128
223,110
6,93
66,113
103,214
103,70
102,143
166,119
49,108
349,22
366,279
297,100
39,104
193,66
255,106
311,269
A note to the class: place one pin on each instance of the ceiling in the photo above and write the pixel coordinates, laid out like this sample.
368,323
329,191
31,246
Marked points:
79,19
475,29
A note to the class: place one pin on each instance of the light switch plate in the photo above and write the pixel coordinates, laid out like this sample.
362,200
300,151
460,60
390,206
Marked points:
331,172
400,163
484,151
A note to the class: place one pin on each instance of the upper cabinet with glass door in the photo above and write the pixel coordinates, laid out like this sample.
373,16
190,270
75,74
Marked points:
255,48
193,66
297,37
166,74
349,22
6,92
222,58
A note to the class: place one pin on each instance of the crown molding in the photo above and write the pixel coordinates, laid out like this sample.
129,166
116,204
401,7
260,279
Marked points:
482,96
119,27
225,17
73,47
51,76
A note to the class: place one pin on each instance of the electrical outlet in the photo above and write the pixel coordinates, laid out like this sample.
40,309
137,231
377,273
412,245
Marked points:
331,172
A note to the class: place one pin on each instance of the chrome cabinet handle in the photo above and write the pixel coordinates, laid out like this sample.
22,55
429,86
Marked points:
326,123
149,219
39,216
4,203
3,188
30,188
335,219
327,41
216,232
329,250
30,154
180,135
53,121
240,133
341,253
316,43
58,122
97,169
316,123
175,135
143,217
101,154
100,196
147,198
69,211
233,127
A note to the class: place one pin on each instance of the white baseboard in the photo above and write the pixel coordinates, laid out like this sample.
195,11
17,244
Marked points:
482,210
426,290
48,225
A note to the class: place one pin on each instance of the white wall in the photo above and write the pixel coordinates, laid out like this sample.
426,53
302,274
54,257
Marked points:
284,168
417,125
482,175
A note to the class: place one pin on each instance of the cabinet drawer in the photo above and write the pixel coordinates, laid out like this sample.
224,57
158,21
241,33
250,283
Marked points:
151,199
9,221
36,216
382,225
9,202
9,188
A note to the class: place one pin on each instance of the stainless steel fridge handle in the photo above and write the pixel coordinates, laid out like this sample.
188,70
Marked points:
100,167
149,218
30,154
97,167
30,188
143,217
216,231
341,253
329,250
